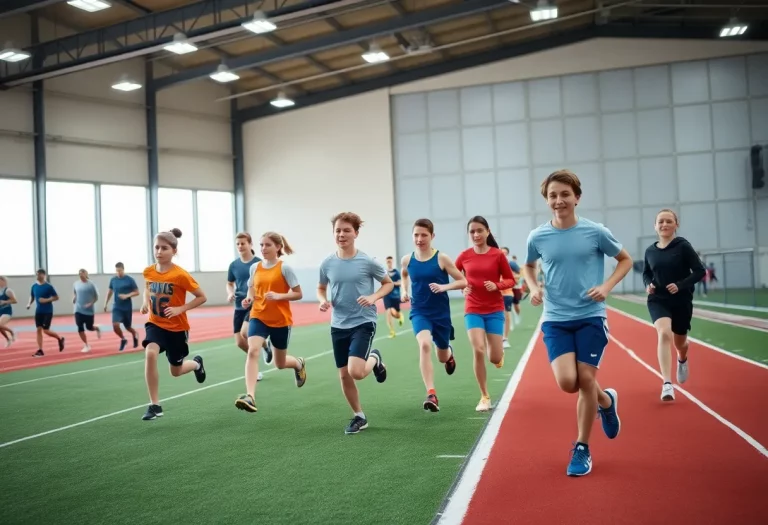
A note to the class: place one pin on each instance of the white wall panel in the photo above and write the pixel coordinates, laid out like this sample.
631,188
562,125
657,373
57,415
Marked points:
17,157
16,109
193,133
91,120
305,166
96,164
204,173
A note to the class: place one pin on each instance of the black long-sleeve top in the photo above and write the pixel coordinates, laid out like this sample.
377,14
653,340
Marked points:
676,263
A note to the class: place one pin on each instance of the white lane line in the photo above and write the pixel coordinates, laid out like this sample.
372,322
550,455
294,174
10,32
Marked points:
743,435
177,396
459,499
451,456
693,339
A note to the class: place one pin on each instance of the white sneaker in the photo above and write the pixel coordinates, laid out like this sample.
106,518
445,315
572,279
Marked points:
259,377
86,349
667,392
505,343
682,372
484,405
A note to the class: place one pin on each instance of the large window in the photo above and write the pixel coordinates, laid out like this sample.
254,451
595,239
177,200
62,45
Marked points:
124,228
215,227
71,221
175,210
17,255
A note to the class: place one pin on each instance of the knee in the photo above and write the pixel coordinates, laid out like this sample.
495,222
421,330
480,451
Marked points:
586,383
357,374
253,351
496,359
176,371
425,347
569,384
665,334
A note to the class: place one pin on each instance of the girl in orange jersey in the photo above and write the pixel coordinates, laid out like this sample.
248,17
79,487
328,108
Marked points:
167,329
271,287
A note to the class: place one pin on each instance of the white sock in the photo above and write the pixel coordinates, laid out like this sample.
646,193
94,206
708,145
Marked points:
197,365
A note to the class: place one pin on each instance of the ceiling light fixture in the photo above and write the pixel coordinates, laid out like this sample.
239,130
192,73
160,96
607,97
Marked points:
223,74
10,54
282,101
374,55
543,11
90,5
260,24
126,84
180,45
734,28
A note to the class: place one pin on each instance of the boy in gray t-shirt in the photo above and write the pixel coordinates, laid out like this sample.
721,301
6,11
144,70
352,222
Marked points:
351,274
85,296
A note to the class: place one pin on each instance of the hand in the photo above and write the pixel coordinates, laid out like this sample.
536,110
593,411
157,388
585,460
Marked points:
230,298
246,302
466,291
366,300
273,296
436,288
173,311
123,296
650,289
537,297
490,286
144,309
672,288
88,305
405,298
324,305
74,299
28,306
598,293
105,307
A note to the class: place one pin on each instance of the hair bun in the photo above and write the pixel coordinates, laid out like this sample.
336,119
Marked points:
176,232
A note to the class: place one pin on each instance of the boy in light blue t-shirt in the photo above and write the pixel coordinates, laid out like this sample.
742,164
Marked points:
572,251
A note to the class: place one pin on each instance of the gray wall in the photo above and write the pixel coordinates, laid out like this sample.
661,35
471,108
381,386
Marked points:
640,139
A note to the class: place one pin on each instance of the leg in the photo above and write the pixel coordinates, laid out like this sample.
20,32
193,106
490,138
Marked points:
390,324
252,364
476,333
280,338
362,359
664,348
681,324
494,330
151,375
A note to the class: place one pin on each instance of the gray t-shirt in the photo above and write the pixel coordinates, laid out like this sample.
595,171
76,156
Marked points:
86,293
288,274
350,279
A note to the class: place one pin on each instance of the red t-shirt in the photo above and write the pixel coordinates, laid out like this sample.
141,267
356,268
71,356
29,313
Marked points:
481,267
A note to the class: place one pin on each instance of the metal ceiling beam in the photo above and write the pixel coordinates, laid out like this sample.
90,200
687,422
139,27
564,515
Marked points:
533,46
348,36
17,7
153,31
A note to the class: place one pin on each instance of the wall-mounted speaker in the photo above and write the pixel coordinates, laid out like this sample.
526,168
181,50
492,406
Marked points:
758,171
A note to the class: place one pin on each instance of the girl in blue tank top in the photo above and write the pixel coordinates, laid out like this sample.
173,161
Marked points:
426,270
7,298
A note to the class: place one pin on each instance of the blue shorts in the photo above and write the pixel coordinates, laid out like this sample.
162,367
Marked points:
355,342
440,329
392,302
587,338
124,317
492,323
280,336
508,301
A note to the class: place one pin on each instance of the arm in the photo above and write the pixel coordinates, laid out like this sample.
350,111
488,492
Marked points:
647,272
11,297
322,289
293,282
199,300
145,305
405,284
693,262
612,248
31,297
507,277
447,264
378,272
109,296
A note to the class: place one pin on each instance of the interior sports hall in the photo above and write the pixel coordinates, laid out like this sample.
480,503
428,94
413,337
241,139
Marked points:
250,125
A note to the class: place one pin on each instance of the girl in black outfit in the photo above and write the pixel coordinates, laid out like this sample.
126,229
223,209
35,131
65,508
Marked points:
672,269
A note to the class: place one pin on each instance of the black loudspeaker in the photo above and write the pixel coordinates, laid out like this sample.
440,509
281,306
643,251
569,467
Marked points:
758,172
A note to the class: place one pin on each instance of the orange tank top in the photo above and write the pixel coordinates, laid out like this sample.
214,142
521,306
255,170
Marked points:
272,313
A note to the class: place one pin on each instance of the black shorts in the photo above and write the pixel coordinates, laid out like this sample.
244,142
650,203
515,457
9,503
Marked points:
680,311
279,336
83,322
174,344
390,302
241,316
508,302
356,341
43,321
122,316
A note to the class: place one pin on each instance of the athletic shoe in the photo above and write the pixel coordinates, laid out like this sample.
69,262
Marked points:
484,405
153,412
501,363
86,349
682,371
392,334
581,461
301,374
267,352
61,344
505,343
123,342
247,403
401,320
356,425
431,403
259,377
450,365
200,372
667,392
39,353
379,369
610,415
135,342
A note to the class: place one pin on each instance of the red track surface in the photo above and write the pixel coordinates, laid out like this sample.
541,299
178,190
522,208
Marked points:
672,463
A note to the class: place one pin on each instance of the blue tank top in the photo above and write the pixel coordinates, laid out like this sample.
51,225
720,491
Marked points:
423,300
5,309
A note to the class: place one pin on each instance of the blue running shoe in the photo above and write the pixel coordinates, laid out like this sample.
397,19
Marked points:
581,461
610,415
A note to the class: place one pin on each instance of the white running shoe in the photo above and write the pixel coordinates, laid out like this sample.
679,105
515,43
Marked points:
682,372
86,349
667,392
259,377
484,405
505,343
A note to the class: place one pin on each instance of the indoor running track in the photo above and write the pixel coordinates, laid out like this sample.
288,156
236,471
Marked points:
672,462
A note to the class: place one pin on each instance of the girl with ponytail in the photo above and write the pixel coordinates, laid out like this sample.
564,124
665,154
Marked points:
167,329
484,305
271,287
